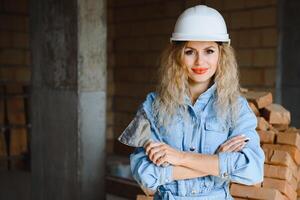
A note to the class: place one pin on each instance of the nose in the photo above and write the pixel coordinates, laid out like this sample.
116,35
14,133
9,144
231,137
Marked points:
198,59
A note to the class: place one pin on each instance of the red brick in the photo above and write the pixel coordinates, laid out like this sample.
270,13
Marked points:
125,89
294,183
252,76
270,37
12,57
23,74
249,38
241,19
16,6
289,138
234,4
262,124
20,40
277,157
270,77
281,127
245,57
217,4
298,176
293,151
277,114
260,3
264,17
254,108
5,39
14,23
16,118
3,152
282,186
255,193
15,105
123,104
279,172
266,136
18,142
264,57
260,99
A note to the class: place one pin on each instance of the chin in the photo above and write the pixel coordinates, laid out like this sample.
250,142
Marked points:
200,79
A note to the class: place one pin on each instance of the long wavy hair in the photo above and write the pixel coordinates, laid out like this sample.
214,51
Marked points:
173,85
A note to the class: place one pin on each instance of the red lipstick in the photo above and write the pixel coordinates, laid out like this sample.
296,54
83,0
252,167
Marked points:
199,70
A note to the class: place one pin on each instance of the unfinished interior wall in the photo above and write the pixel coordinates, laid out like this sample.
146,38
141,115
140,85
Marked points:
68,42
14,81
139,30
289,48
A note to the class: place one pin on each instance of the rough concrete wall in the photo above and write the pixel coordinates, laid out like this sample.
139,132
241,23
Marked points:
141,29
68,41
289,48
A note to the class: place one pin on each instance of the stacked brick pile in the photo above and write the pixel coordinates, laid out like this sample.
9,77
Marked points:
281,145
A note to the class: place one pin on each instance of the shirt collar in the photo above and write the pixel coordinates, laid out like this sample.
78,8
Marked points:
204,97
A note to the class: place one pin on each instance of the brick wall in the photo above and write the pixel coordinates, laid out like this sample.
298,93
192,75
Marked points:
14,41
139,30
14,75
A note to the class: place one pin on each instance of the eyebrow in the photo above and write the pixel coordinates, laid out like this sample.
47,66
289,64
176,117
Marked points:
204,48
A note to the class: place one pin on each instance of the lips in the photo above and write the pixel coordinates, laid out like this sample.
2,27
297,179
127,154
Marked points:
199,70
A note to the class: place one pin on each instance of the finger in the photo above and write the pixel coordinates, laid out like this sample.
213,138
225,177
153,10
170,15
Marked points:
234,142
151,145
238,137
162,160
156,149
157,156
228,147
239,148
236,146
153,151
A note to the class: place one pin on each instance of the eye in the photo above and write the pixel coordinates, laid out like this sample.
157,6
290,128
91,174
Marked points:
189,52
209,51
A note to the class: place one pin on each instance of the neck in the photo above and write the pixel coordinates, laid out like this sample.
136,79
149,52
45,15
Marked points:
196,89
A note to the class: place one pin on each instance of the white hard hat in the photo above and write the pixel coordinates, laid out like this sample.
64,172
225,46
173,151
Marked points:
200,23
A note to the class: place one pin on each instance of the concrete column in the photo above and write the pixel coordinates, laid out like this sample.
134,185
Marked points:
288,82
68,46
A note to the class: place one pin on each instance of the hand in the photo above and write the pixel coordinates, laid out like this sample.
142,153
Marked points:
160,153
235,144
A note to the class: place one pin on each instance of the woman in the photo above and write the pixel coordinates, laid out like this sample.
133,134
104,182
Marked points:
198,123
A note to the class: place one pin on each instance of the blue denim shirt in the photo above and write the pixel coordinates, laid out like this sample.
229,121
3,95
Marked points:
203,133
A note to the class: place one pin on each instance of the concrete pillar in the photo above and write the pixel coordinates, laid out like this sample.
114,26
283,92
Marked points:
288,82
68,46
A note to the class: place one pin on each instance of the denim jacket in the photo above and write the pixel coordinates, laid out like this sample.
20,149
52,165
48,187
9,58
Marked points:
203,133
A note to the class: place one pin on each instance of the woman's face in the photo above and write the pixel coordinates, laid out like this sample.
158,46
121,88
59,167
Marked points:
201,59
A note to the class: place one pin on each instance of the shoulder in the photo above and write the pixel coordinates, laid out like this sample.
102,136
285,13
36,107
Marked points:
150,98
243,105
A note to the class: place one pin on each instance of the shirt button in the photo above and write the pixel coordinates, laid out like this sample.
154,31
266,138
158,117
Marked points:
194,192
225,175
192,149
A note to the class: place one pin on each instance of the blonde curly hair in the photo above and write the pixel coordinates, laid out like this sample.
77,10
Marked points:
173,85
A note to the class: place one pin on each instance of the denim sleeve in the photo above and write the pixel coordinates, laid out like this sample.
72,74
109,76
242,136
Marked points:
148,174
247,166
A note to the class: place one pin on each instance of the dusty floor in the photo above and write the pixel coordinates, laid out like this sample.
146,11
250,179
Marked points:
15,185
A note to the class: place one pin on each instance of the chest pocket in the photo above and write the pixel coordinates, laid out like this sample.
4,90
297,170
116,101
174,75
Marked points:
173,135
216,133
